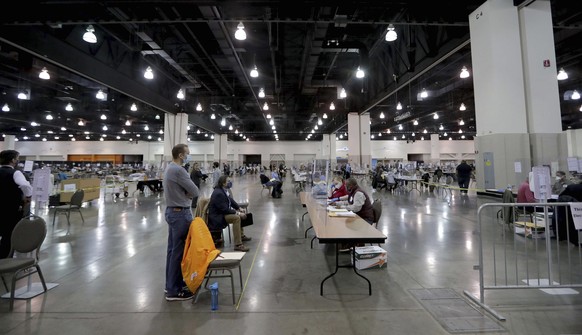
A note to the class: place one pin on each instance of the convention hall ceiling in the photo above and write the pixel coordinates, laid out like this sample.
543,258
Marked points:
305,53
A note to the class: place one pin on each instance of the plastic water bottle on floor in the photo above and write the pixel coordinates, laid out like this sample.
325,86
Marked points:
214,296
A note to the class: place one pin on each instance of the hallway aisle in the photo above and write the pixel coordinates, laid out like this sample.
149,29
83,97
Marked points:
110,272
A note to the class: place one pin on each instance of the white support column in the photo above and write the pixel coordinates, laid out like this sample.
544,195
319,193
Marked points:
175,132
9,142
516,96
435,148
220,148
359,147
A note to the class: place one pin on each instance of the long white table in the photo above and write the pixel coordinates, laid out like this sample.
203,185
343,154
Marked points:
336,230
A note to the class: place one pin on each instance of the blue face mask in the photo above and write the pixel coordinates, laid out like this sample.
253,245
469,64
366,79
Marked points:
229,184
186,159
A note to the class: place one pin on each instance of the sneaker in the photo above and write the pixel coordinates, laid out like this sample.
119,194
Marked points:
241,247
246,238
183,295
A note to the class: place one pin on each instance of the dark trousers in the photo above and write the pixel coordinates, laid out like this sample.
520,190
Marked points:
464,183
9,221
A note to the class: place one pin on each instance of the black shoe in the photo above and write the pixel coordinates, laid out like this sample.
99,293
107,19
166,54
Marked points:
183,295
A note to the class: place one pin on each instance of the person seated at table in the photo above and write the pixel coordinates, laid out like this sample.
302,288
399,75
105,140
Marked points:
224,210
561,182
525,195
276,183
338,187
356,201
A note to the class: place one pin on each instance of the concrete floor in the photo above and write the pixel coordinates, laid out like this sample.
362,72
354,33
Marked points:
110,273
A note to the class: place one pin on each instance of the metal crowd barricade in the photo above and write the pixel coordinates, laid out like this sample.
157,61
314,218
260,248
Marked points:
524,251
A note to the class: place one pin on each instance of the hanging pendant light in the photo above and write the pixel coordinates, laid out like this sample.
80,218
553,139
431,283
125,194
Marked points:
324,115
44,74
319,122
212,116
331,107
89,35
103,117
268,115
240,33
127,123
223,122
254,72
133,107
157,116
360,73
265,107
435,116
149,73
575,95
415,122
399,127
398,106
199,107
382,115
146,127
391,34
462,107
180,94
343,93
100,95
441,127
69,107
6,108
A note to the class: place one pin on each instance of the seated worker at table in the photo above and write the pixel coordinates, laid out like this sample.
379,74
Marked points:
223,210
561,182
338,187
356,201
525,195
277,184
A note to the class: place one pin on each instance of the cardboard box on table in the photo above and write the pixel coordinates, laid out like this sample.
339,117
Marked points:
370,257
91,186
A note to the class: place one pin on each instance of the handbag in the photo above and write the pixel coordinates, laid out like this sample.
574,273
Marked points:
248,221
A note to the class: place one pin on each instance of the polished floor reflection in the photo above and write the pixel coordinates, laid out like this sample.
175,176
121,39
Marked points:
110,272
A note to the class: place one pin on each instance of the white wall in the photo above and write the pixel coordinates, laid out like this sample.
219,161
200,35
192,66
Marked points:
380,149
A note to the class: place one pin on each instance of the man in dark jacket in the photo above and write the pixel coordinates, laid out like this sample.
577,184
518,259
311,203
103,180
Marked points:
223,210
464,176
14,197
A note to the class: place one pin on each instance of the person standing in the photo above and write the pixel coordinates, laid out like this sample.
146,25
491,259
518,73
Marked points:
464,176
561,182
179,190
196,176
14,197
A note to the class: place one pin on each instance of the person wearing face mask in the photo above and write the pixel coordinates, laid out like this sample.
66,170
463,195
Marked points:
224,210
338,188
179,190
196,176
356,201
561,182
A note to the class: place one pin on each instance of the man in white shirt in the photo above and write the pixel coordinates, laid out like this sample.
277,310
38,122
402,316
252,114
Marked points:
14,198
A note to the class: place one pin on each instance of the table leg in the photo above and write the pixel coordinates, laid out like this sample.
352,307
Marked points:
303,216
306,230
313,239
337,266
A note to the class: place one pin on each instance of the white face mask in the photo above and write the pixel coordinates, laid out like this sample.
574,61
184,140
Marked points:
558,178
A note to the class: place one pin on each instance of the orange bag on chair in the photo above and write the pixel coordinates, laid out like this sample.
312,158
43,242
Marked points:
199,252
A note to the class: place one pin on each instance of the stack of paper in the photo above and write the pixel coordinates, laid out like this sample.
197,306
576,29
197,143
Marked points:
333,209
343,214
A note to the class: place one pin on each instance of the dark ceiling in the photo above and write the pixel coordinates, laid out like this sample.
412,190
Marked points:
305,52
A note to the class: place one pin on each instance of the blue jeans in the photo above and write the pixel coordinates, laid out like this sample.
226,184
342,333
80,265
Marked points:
178,226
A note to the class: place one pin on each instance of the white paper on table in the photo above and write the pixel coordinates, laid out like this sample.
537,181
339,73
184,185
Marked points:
333,209
347,213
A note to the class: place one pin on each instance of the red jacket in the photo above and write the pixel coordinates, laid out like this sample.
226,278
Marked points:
340,191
